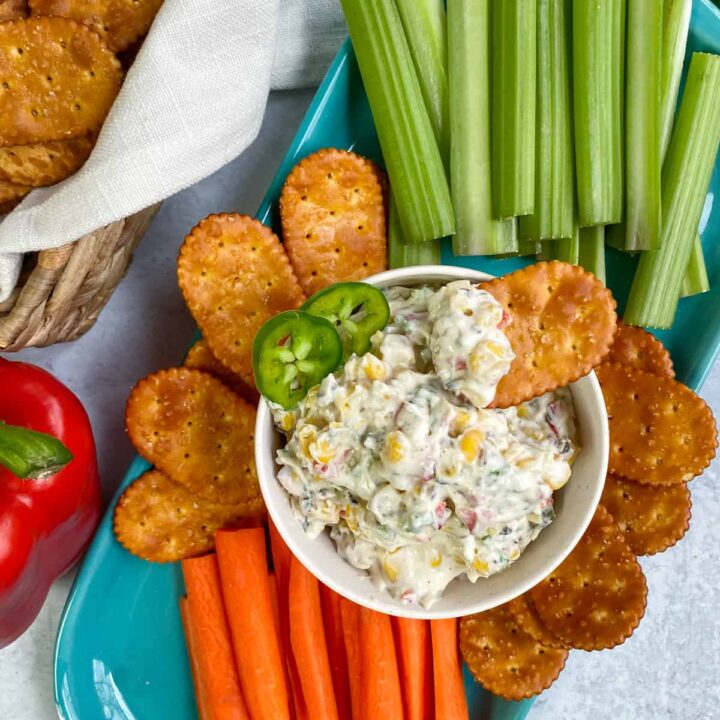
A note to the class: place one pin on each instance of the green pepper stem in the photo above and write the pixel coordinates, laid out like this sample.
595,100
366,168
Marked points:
29,454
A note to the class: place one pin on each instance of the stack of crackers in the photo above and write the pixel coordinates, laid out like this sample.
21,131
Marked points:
662,435
59,75
235,273
199,435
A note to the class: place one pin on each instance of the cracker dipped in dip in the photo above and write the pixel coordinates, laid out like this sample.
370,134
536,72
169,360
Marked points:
399,456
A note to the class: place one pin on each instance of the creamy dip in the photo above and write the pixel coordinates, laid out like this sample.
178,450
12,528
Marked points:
398,455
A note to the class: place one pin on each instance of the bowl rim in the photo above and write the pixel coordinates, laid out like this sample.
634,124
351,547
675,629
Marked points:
267,474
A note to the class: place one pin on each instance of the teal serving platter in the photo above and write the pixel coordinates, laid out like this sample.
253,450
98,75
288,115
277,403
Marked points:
120,653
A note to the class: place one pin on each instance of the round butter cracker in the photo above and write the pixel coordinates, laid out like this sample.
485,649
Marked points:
201,358
596,597
11,193
188,424
637,348
12,9
235,275
562,322
119,22
332,211
58,80
661,432
160,521
504,659
526,616
45,163
651,517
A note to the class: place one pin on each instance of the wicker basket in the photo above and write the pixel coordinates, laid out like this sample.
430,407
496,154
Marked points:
61,292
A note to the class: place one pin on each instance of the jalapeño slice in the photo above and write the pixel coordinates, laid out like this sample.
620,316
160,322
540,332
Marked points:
356,309
293,352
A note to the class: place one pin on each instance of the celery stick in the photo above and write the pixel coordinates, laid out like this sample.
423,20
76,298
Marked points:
696,277
411,153
514,39
554,167
598,67
424,253
686,173
586,248
591,250
529,247
469,78
565,249
425,27
642,221
676,24
615,236
402,254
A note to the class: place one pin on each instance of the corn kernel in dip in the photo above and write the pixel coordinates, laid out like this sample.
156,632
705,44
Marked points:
399,457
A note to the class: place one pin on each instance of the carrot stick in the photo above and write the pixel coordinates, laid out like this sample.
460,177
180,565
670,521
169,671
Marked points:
350,615
275,598
307,636
282,557
246,588
336,651
219,696
379,677
450,700
191,643
275,603
412,640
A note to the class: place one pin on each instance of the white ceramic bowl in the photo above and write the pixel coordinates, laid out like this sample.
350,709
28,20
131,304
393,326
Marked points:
574,504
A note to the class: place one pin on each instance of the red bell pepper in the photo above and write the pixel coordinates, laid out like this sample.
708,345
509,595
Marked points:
49,490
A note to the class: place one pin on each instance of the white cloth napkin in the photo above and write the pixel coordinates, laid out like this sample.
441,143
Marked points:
193,100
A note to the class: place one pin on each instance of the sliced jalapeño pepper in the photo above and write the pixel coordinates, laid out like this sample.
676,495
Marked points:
293,352
356,309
